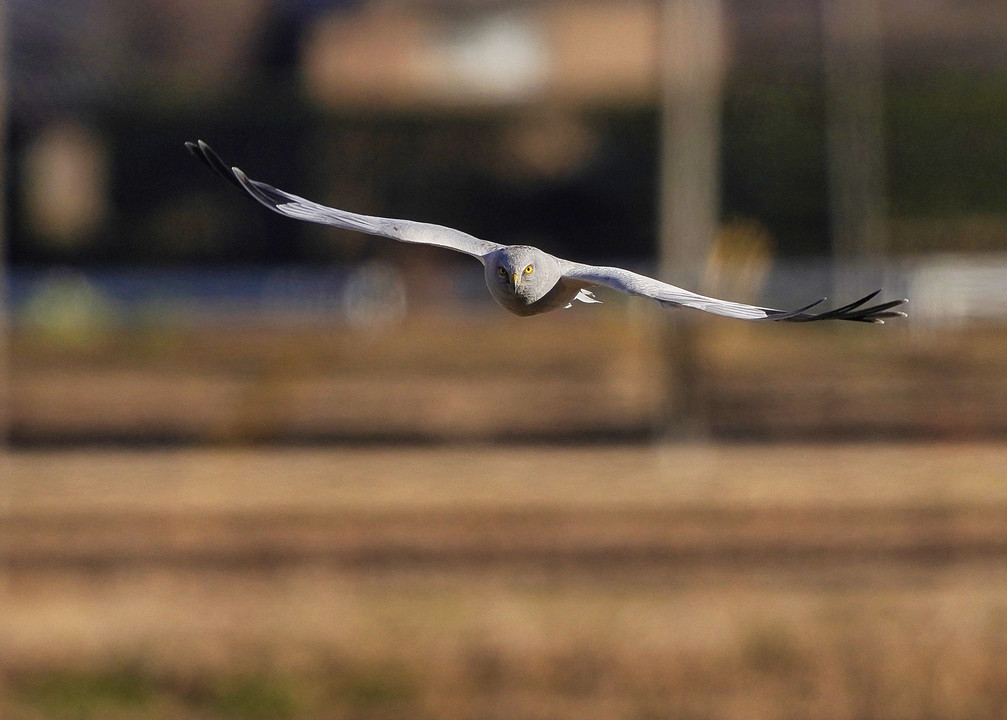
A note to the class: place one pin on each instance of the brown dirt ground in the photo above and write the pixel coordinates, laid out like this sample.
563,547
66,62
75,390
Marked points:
718,580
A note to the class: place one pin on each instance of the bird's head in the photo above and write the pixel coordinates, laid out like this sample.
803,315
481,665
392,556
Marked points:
522,272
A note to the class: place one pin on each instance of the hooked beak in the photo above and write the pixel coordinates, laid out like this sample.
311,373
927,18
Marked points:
516,278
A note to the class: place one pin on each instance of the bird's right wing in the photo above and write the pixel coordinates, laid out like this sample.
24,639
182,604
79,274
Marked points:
300,209
671,296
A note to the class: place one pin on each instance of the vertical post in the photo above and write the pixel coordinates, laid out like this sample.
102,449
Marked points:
852,34
5,350
692,70
5,319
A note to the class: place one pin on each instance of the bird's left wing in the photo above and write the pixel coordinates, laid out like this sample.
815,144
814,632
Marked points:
300,209
671,296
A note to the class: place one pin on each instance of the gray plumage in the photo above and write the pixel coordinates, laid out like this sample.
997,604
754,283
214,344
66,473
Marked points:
524,279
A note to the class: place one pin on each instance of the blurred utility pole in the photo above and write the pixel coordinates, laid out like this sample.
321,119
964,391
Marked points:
692,71
852,38
5,311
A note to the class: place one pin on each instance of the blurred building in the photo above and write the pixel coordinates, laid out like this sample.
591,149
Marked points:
483,113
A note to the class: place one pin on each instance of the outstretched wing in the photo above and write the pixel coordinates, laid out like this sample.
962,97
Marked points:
671,296
300,209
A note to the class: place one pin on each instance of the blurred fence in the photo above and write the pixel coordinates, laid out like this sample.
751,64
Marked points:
946,290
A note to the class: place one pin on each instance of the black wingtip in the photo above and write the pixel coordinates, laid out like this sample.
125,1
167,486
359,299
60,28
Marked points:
779,315
854,312
263,193
203,152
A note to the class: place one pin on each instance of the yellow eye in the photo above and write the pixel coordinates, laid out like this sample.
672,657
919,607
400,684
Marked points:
501,272
529,270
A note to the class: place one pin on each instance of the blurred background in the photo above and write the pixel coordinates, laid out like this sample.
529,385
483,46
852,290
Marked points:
768,152
261,468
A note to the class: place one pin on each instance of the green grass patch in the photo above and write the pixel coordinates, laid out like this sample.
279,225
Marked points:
116,691
131,691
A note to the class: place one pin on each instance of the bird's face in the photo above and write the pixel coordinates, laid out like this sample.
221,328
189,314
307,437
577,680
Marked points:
521,273
522,278
511,276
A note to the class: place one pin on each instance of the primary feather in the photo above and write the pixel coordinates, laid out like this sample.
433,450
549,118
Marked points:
552,283
298,208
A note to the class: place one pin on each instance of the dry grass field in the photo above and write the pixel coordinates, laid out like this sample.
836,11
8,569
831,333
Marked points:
563,376
711,581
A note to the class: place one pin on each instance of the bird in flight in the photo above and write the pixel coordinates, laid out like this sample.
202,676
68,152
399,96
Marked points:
524,279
